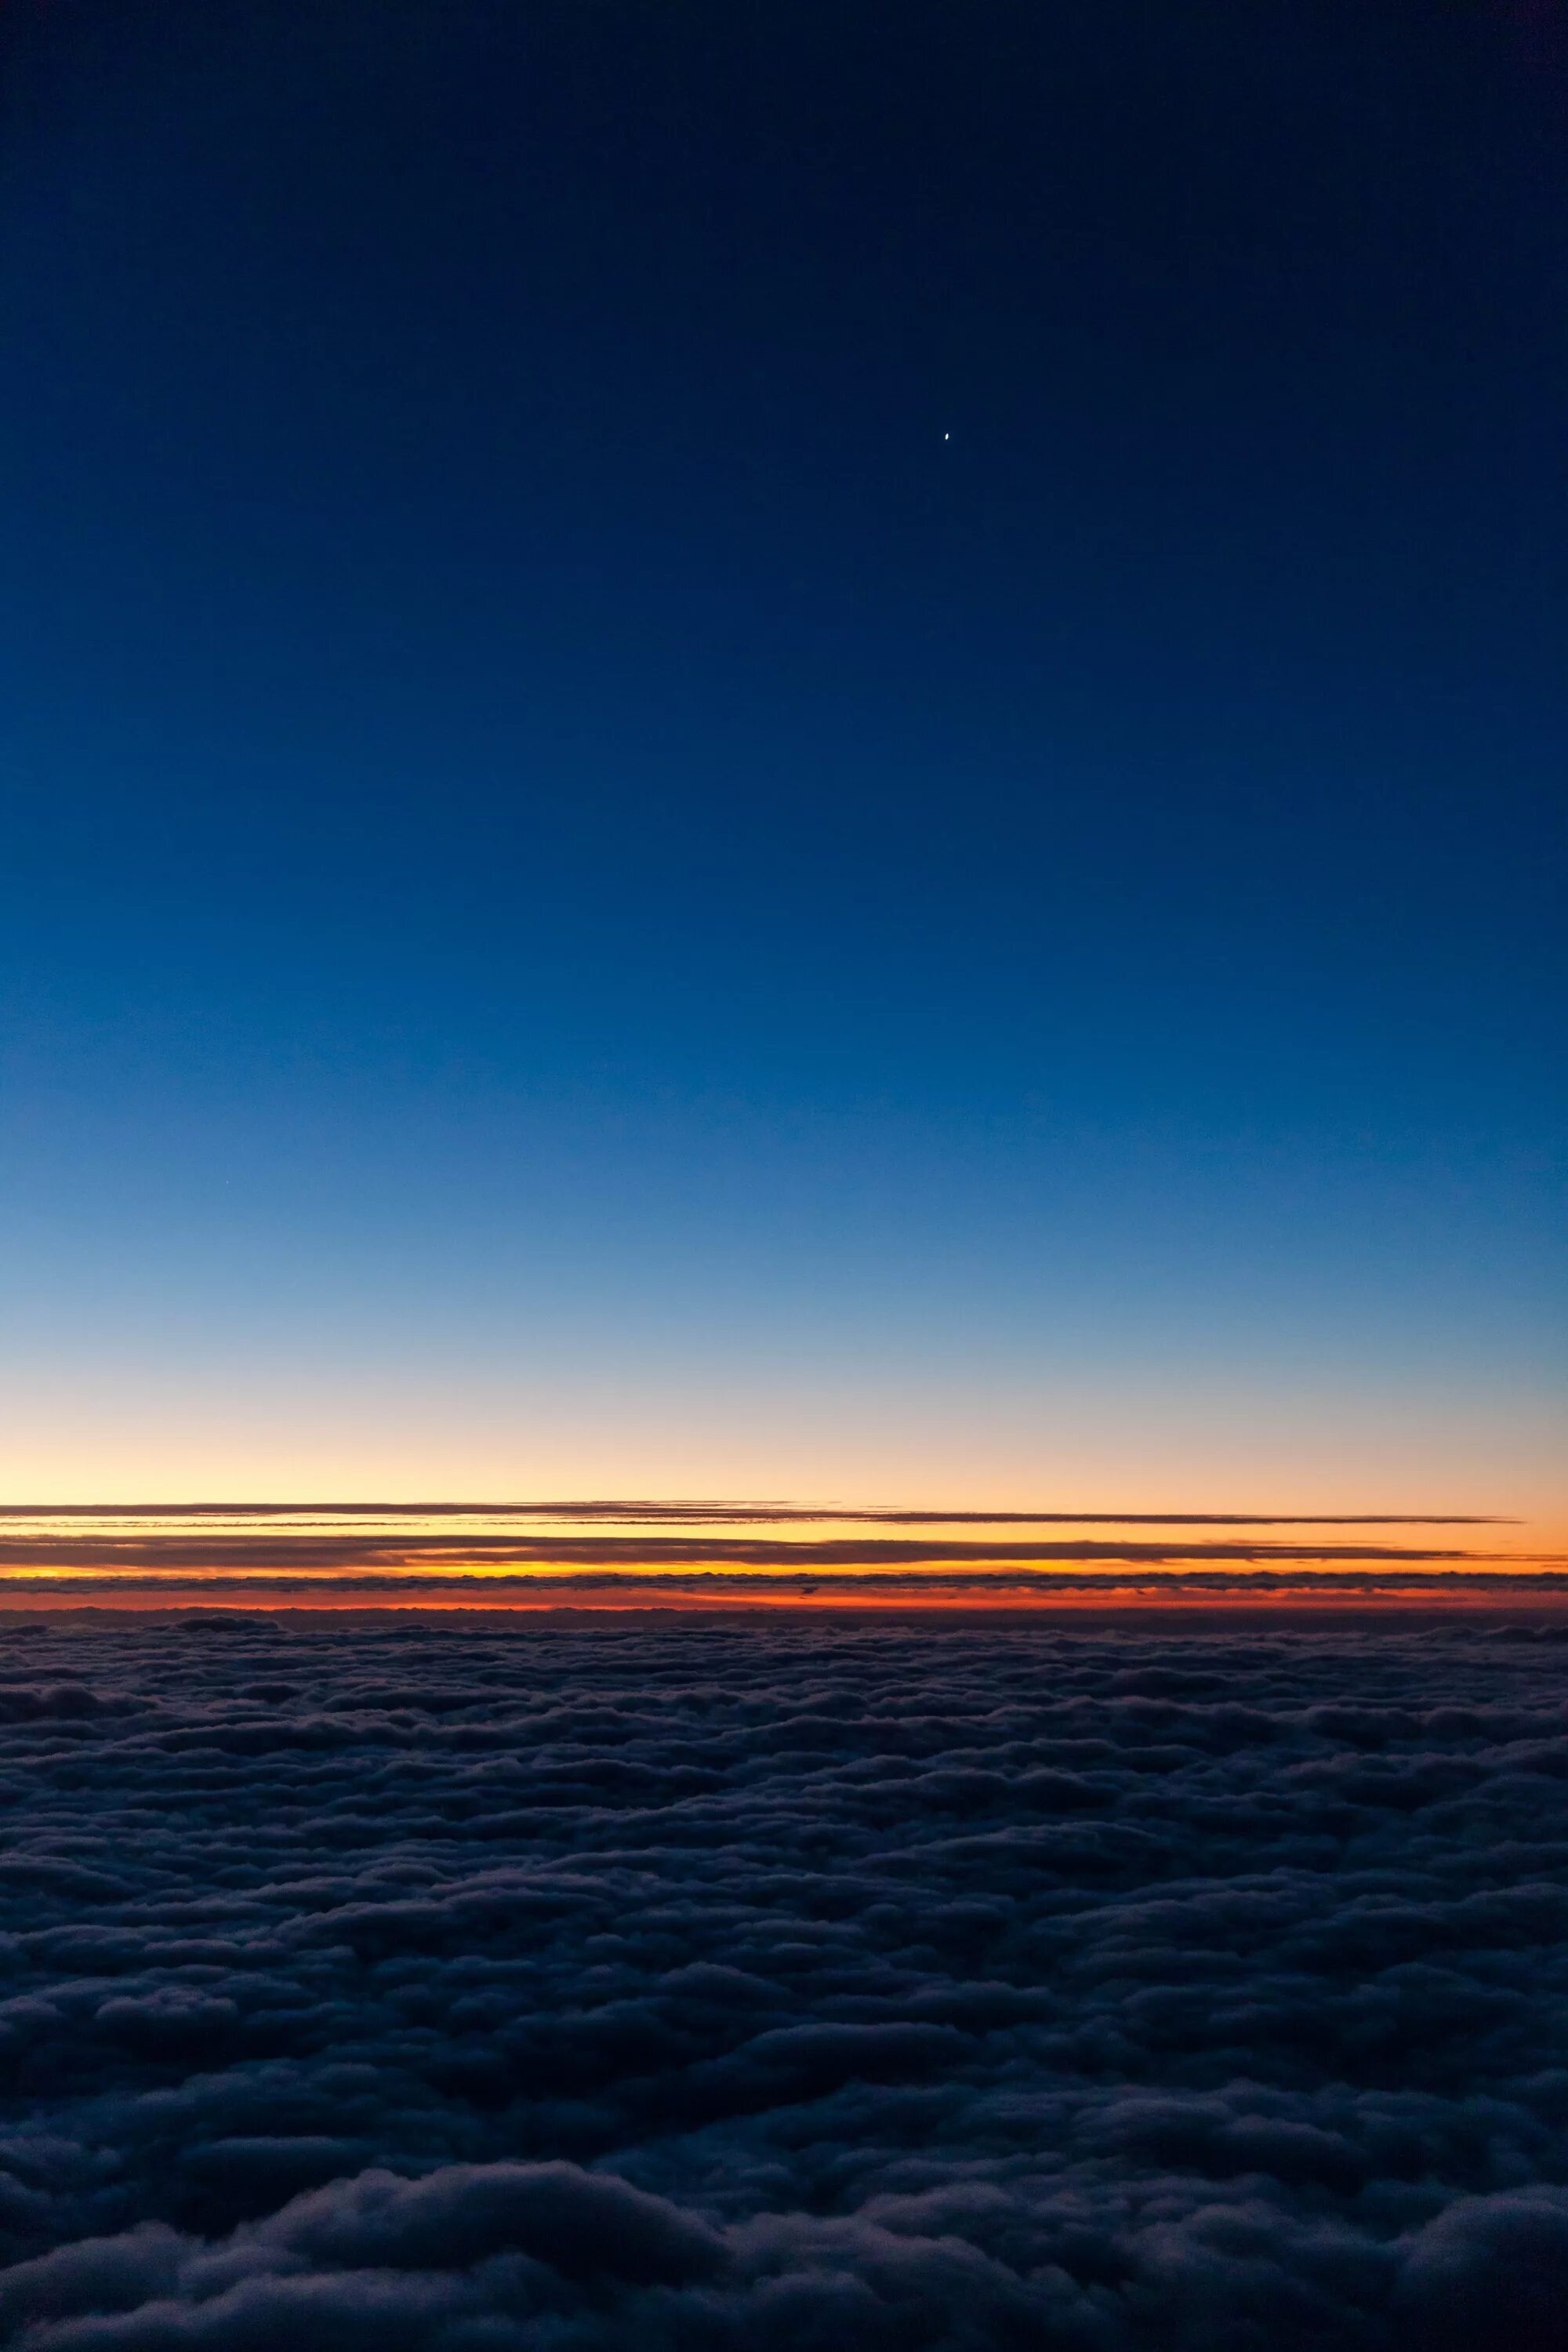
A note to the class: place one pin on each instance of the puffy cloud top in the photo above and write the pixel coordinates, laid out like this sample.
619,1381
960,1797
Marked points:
531,1986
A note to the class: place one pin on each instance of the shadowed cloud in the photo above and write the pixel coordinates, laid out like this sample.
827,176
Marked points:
523,1986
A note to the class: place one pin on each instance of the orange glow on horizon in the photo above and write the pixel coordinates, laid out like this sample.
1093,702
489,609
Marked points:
695,1555
1119,1601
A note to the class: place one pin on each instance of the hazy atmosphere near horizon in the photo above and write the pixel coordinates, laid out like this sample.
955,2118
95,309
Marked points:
784,1526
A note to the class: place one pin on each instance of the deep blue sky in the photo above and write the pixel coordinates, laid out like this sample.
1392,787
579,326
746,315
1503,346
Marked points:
582,882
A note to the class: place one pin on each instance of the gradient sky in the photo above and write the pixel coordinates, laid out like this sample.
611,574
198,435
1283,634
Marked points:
784,751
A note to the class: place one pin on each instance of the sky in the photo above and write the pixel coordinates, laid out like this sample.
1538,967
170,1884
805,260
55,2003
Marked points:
786,753
781,823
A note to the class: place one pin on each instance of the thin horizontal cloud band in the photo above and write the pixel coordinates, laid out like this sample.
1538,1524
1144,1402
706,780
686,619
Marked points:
1517,1580
630,1553
715,1513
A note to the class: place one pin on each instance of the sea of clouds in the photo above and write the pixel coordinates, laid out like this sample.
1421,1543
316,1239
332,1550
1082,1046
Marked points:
802,1984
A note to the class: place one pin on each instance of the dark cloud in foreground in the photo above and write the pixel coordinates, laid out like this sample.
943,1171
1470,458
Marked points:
530,1985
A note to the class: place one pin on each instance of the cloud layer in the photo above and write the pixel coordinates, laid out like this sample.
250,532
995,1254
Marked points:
525,1986
707,1546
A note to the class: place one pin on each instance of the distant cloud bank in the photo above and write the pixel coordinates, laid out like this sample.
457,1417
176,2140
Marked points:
734,1548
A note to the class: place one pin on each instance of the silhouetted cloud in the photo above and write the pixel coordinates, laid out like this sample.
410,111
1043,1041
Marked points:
462,1986
710,1513
356,1544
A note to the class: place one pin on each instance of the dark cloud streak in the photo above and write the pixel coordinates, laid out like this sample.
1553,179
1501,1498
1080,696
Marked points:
348,1554
747,1514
